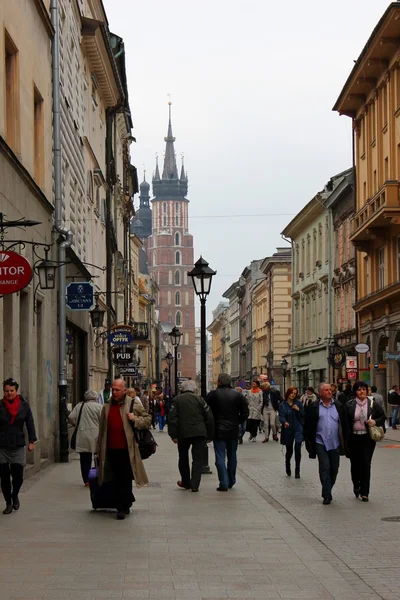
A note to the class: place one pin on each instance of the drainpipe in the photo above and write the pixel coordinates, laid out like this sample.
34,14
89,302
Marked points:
65,239
109,252
330,294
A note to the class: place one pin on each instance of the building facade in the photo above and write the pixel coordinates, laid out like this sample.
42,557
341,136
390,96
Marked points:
219,344
28,319
234,330
309,232
170,254
371,98
274,315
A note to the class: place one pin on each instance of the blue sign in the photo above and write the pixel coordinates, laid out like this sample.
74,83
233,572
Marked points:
80,295
120,337
376,365
273,382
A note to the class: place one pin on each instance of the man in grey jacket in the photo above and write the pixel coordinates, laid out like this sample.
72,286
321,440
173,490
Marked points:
190,424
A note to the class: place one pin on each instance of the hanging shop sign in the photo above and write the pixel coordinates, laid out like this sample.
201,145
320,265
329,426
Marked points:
80,295
15,272
121,336
351,374
123,357
129,370
351,363
362,348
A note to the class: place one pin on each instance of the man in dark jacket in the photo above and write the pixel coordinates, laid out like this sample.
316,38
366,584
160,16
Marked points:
229,408
324,434
190,423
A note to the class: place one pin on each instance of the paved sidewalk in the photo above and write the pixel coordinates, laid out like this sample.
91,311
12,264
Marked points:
175,545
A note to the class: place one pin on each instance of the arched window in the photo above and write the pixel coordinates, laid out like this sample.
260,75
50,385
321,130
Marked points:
165,214
177,278
170,277
177,298
177,257
164,208
169,297
177,239
178,318
176,214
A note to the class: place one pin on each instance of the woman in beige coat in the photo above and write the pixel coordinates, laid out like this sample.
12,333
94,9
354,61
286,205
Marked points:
118,453
87,430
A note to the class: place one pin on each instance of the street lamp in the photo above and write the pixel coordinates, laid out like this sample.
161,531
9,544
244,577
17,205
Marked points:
169,359
175,336
46,271
202,276
97,317
284,365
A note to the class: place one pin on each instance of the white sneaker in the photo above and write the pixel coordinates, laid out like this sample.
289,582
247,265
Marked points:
254,440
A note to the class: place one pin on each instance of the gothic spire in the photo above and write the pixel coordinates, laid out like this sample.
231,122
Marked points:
156,176
170,170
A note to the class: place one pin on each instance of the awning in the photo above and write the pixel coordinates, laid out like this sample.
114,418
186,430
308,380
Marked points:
306,368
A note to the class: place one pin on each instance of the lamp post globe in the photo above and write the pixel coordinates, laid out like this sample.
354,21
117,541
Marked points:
169,359
284,366
202,275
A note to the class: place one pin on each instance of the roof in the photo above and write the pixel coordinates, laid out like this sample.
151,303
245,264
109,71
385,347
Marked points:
313,208
371,64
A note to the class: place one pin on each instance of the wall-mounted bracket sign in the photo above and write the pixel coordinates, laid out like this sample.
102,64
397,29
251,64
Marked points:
121,335
80,295
15,272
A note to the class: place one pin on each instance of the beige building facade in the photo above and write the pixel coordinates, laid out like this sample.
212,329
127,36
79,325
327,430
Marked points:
28,319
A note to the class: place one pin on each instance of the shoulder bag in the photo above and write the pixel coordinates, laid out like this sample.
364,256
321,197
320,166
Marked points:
144,438
73,437
375,433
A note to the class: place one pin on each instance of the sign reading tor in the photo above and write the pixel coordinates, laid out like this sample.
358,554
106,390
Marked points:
15,272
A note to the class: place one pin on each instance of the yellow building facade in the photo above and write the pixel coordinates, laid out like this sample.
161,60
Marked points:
371,98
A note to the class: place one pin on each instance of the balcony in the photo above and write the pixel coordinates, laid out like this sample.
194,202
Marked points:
385,295
377,214
140,331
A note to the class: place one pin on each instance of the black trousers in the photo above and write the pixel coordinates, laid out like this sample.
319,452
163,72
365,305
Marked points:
15,472
197,444
86,464
122,477
252,427
297,454
361,449
328,461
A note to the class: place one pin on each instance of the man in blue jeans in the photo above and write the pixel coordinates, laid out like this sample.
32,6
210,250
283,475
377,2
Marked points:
230,409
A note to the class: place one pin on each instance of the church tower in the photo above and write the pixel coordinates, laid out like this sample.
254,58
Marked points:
170,254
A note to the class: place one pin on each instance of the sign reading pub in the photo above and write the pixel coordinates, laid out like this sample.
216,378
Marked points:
15,272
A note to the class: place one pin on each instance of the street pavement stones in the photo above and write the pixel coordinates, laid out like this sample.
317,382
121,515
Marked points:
269,537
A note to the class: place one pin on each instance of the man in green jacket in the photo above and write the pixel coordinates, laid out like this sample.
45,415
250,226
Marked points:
190,424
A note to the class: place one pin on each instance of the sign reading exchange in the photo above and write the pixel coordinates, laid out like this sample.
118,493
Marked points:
15,272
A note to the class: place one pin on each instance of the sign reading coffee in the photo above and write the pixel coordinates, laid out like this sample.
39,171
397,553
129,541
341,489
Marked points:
15,272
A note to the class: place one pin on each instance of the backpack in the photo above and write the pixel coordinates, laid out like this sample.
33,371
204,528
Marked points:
144,438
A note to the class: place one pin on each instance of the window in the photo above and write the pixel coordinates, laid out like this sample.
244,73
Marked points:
12,94
187,298
89,187
177,239
38,137
169,297
178,318
164,214
177,298
381,267
179,374
179,355
384,105
98,201
176,213
177,257
386,168
186,338
169,277
177,278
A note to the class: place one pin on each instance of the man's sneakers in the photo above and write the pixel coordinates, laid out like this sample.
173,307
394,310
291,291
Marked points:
220,488
265,440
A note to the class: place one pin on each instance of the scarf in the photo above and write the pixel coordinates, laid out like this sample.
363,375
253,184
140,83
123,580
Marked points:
255,390
363,410
12,407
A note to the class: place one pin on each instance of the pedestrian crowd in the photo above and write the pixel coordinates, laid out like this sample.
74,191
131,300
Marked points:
112,434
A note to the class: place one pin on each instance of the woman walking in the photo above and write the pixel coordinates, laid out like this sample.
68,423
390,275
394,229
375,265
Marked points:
291,416
361,413
14,414
255,402
85,417
161,412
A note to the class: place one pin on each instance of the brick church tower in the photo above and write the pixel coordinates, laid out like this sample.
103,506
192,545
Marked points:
170,254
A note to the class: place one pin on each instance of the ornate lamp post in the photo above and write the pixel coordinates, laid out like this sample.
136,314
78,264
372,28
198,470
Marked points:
202,276
169,359
284,365
175,336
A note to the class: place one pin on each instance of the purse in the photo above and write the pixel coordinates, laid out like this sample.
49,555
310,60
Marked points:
144,438
375,433
73,437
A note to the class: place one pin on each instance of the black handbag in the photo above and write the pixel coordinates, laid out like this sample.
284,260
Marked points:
144,438
73,437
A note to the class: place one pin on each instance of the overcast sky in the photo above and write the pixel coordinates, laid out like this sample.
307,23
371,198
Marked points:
252,83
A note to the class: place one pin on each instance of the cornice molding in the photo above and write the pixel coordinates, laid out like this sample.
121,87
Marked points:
45,17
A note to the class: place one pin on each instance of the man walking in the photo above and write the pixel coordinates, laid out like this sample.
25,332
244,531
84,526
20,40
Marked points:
229,408
190,424
323,433
269,409
105,393
394,401
378,398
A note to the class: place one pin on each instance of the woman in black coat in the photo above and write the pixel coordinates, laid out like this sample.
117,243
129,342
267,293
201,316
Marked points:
14,414
291,416
361,413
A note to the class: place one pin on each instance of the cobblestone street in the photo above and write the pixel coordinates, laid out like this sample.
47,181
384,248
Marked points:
268,538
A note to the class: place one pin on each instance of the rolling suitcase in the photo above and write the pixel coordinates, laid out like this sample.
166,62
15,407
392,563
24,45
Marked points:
101,496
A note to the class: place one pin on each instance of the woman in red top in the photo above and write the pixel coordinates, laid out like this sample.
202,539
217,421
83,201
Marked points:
161,412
